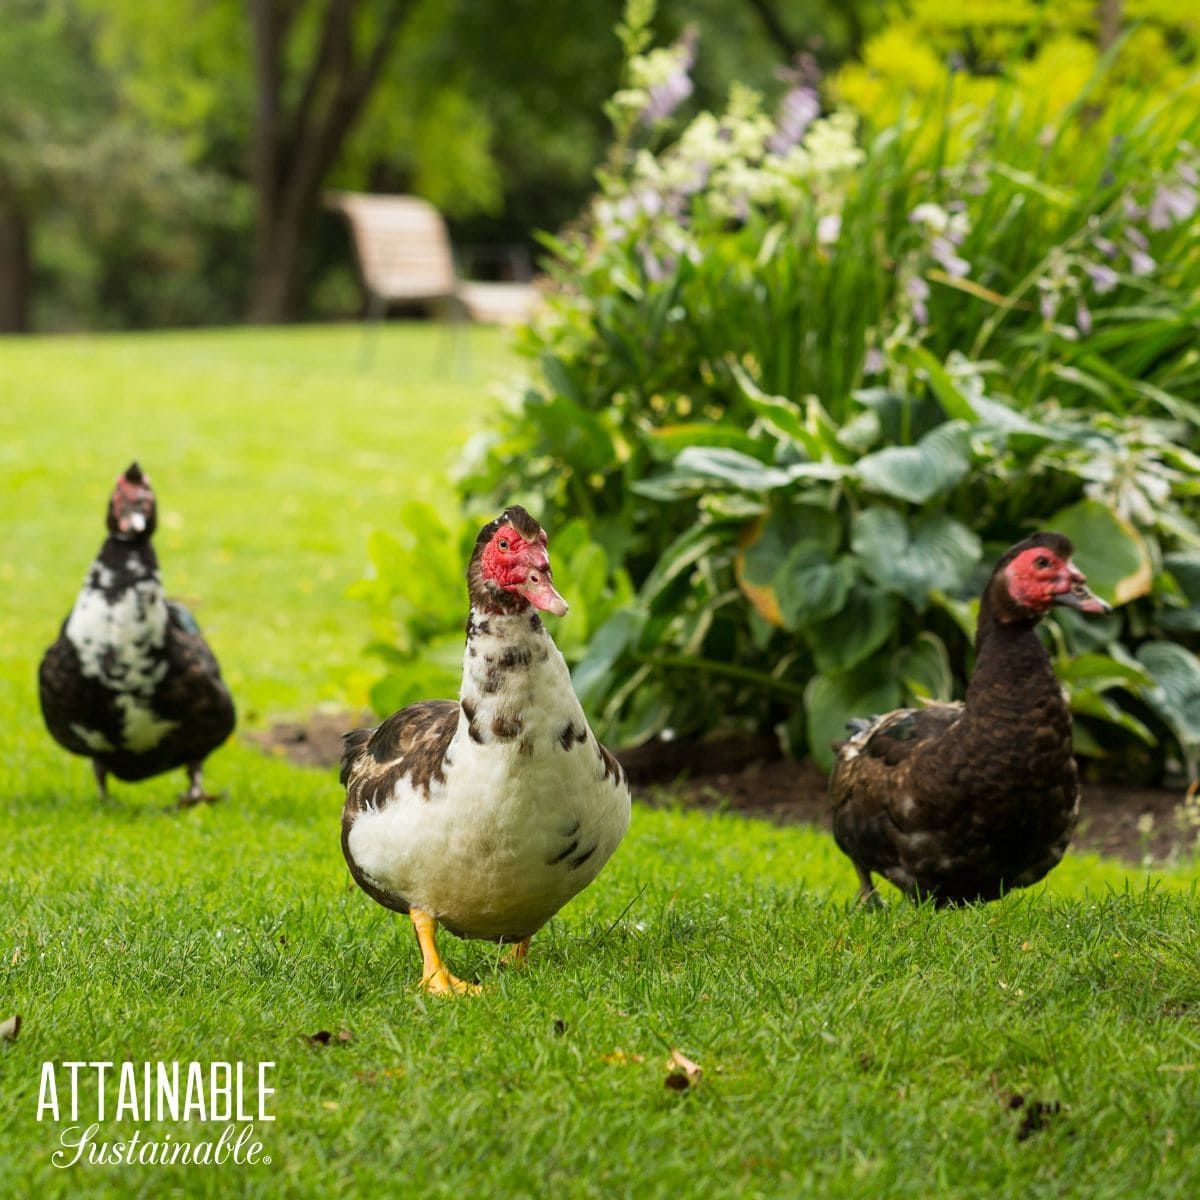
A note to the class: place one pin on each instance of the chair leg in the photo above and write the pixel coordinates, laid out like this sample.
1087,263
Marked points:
372,319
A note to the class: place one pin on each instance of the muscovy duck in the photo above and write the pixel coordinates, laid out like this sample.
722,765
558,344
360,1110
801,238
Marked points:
487,814
131,683
962,802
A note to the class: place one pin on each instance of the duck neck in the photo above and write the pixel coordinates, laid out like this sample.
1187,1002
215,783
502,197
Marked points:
1013,677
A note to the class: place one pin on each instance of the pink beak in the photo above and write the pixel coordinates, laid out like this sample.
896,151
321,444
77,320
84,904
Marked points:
538,589
1080,596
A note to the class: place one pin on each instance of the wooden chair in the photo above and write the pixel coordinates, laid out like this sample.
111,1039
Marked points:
404,257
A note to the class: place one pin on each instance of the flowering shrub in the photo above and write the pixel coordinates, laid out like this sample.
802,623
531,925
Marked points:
803,385
1053,51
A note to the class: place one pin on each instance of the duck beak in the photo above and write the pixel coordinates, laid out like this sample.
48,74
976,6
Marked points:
1080,597
541,593
538,588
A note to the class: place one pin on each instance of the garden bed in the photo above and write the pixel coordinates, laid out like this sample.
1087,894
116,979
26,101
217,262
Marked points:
748,776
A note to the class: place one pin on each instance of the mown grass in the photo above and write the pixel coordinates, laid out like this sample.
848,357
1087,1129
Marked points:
274,455
845,1052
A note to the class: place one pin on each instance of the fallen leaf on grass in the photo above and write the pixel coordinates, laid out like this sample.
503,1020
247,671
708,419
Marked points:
1037,1116
386,1073
682,1072
324,1038
330,1105
619,1056
10,1028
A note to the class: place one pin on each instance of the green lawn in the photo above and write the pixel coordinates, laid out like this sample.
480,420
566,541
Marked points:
845,1052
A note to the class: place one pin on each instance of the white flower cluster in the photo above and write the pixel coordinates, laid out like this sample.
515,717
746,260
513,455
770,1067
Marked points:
730,159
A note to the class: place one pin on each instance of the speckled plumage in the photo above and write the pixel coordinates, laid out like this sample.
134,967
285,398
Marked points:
490,812
130,682
965,802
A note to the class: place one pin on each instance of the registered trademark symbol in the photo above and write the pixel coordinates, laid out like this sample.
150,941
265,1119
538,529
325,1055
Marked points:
267,1161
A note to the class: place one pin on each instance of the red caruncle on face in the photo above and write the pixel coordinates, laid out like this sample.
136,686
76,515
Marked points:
1038,576
522,567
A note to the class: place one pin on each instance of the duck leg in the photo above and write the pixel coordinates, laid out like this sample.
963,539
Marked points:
867,894
435,978
196,793
101,778
517,955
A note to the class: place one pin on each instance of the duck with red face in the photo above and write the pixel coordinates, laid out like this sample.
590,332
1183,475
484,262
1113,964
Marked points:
966,801
486,814
131,683
516,565
1043,575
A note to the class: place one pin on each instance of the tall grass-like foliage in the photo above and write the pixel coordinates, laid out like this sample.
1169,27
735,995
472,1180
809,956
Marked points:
803,381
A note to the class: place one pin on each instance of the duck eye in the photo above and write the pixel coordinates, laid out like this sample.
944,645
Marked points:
1041,562
503,543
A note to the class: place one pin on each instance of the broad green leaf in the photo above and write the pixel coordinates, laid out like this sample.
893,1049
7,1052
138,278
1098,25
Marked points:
1100,673
861,432
831,700
1088,703
732,507
995,414
573,434
918,473
914,558
620,632
668,441
811,586
1175,696
784,418
954,404
1184,565
1087,633
865,623
924,668
682,553
559,377
767,543
713,464
1108,549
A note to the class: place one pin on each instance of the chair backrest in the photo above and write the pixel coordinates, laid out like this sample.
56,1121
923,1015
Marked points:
402,245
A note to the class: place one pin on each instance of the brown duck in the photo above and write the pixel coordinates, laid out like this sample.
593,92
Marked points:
962,802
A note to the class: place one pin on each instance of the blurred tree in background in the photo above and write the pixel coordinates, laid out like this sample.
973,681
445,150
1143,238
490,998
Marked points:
164,163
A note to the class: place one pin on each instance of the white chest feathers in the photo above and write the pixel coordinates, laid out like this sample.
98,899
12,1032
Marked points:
120,640
529,807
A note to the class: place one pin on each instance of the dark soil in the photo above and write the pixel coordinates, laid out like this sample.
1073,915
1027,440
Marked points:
746,775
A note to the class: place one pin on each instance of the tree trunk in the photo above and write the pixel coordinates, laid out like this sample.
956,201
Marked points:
1108,18
293,152
14,272
775,29
272,265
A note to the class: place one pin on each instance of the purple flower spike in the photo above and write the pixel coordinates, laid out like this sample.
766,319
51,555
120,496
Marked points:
667,96
954,264
1048,305
1137,237
1106,246
918,293
657,270
873,362
1171,205
1104,279
1083,319
1140,263
797,111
